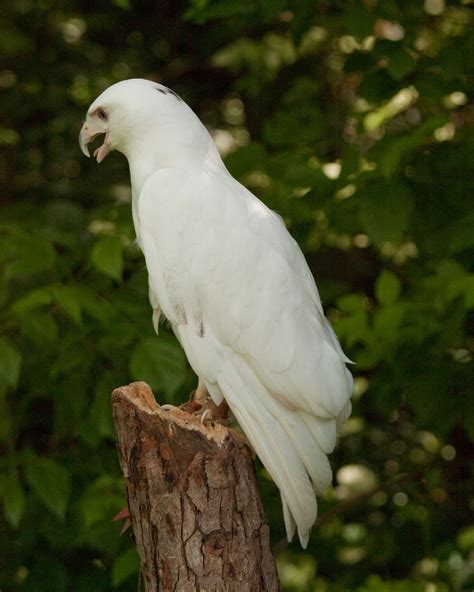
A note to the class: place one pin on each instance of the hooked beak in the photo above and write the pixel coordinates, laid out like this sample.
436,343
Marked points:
88,132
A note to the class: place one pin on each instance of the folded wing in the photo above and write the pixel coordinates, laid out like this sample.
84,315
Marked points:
241,299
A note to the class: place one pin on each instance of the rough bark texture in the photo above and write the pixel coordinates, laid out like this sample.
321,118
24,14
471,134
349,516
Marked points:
196,512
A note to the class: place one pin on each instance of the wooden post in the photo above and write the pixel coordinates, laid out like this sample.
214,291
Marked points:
196,512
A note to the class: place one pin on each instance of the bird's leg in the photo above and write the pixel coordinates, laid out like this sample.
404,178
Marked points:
201,403
197,400
201,394
213,412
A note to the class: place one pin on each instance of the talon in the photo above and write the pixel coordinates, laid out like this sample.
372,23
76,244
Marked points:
207,414
168,407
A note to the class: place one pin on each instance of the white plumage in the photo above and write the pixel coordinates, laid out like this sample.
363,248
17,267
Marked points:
235,287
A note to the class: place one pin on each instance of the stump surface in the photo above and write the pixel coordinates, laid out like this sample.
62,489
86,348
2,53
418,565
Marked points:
196,512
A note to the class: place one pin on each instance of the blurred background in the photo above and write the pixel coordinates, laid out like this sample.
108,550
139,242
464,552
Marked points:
350,118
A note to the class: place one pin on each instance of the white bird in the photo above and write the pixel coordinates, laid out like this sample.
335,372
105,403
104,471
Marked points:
234,285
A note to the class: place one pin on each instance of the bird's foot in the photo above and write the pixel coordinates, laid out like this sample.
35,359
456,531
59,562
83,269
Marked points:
206,415
201,404
168,407
212,412
193,404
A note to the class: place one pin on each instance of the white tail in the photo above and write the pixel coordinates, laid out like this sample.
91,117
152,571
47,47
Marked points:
291,444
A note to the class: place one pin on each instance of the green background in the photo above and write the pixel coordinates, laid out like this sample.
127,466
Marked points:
353,120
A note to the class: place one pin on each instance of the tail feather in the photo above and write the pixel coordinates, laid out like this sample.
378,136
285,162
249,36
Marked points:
334,380
306,444
334,340
273,447
304,431
343,415
285,440
290,524
323,430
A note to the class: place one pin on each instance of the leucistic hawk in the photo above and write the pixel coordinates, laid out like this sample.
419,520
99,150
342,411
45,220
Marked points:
234,285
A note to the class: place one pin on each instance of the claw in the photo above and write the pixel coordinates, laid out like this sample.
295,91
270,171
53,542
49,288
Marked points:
207,414
168,407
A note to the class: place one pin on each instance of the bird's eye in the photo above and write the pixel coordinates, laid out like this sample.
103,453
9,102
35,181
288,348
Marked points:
101,114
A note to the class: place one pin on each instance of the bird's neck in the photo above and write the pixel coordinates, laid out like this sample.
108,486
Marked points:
160,150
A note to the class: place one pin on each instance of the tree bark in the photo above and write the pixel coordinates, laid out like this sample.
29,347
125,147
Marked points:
195,508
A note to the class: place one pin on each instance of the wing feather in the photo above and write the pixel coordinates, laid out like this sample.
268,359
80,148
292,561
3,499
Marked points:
245,307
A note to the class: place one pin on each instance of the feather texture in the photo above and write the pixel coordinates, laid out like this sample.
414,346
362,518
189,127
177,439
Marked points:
251,325
236,289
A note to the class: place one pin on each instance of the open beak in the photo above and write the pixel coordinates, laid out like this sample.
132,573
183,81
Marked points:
88,133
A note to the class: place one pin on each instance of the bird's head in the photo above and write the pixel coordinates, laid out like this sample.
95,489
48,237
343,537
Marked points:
138,115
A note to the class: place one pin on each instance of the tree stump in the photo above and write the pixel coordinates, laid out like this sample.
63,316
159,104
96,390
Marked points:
196,512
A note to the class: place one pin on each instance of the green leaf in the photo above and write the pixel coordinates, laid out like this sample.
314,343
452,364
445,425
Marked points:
462,234
387,288
34,255
201,11
51,482
65,215
378,86
400,64
38,326
359,61
430,85
298,120
107,257
68,299
359,20
125,566
13,502
292,126
400,61
386,322
391,150
385,211
94,305
48,573
160,362
469,294
101,410
123,4
10,363
34,299
422,395
376,584
465,538
351,303
101,500
246,159
71,403
6,416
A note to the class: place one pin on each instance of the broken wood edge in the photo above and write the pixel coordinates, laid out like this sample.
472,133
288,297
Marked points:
140,394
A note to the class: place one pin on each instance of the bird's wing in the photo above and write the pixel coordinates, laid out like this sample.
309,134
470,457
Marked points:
245,307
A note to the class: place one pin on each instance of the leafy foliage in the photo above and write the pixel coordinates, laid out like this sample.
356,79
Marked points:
352,120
